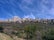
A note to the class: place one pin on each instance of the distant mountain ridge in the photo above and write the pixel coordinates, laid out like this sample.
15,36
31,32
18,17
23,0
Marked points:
16,18
20,20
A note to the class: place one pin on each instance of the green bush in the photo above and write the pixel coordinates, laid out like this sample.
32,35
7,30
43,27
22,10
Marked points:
49,35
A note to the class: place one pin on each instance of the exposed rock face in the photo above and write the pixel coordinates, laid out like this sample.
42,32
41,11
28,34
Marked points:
14,19
26,19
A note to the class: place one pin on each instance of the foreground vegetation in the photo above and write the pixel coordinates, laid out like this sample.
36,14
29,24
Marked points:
28,30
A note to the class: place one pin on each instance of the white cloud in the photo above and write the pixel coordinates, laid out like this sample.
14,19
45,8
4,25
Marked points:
10,15
28,6
29,16
27,1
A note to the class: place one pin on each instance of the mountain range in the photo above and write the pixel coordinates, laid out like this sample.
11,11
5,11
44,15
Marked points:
20,20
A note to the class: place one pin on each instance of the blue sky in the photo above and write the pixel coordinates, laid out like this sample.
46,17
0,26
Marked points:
27,8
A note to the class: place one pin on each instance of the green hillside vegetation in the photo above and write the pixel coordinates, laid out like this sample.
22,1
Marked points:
28,30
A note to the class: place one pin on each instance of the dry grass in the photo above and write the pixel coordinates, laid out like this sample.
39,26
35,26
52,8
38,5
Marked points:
6,37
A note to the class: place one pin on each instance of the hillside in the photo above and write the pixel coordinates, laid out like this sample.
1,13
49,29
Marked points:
5,37
34,29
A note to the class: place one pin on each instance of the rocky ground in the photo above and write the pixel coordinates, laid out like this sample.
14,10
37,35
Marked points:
7,37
